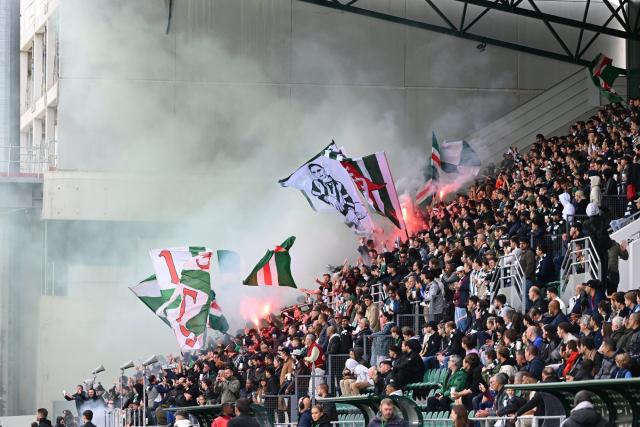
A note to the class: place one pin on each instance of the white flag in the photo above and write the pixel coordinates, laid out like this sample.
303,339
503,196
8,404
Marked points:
328,187
185,274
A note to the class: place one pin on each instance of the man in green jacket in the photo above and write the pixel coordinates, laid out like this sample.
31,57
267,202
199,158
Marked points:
456,380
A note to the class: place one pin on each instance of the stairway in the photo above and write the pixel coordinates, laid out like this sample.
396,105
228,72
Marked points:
549,113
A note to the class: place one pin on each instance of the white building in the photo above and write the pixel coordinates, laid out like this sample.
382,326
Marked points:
38,85
132,137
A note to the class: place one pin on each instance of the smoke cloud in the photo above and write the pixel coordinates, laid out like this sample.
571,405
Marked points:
208,118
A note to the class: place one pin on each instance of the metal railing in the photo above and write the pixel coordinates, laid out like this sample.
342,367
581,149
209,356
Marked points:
120,418
523,421
510,275
617,224
345,423
581,258
552,243
377,292
28,161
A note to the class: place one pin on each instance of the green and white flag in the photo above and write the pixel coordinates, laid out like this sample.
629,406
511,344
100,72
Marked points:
457,157
372,176
425,195
152,296
604,74
180,293
274,269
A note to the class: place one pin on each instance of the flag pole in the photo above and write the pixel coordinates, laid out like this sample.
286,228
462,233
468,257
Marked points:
393,182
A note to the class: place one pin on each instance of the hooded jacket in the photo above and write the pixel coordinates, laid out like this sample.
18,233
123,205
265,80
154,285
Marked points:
568,211
584,415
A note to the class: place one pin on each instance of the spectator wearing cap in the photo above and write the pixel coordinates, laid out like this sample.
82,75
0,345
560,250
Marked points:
594,295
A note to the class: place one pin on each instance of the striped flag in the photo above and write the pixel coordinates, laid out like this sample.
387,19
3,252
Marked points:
425,195
274,269
372,176
603,74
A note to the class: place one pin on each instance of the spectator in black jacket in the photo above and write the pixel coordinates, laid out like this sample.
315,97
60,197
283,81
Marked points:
346,338
79,397
583,413
545,269
410,368
335,343
329,408
41,417
431,342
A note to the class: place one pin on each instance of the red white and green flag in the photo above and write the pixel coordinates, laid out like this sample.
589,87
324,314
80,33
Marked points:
372,177
180,294
425,195
274,269
604,74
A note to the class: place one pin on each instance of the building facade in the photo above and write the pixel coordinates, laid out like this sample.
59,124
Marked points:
140,128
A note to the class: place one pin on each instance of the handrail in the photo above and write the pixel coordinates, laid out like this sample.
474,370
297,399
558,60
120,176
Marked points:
510,274
28,161
577,258
622,222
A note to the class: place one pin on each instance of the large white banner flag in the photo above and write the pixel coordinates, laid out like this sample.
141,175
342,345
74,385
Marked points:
327,186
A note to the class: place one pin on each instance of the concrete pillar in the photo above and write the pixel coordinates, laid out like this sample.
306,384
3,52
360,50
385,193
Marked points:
633,52
38,65
9,89
4,318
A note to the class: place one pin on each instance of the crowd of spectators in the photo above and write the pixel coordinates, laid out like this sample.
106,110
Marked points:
446,273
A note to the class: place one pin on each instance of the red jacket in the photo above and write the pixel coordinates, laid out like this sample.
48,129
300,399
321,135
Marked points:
319,362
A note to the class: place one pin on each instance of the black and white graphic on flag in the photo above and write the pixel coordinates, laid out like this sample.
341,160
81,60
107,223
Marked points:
333,192
328,187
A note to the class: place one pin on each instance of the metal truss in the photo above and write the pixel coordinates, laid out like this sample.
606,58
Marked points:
462,23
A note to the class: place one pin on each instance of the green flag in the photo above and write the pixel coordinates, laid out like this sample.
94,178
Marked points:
604,74
274,269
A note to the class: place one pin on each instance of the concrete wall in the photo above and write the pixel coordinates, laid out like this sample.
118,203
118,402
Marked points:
238,88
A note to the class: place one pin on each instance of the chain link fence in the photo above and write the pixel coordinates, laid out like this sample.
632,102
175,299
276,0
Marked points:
335,366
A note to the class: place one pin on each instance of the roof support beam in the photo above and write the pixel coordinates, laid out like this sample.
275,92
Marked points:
332,4
537,14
